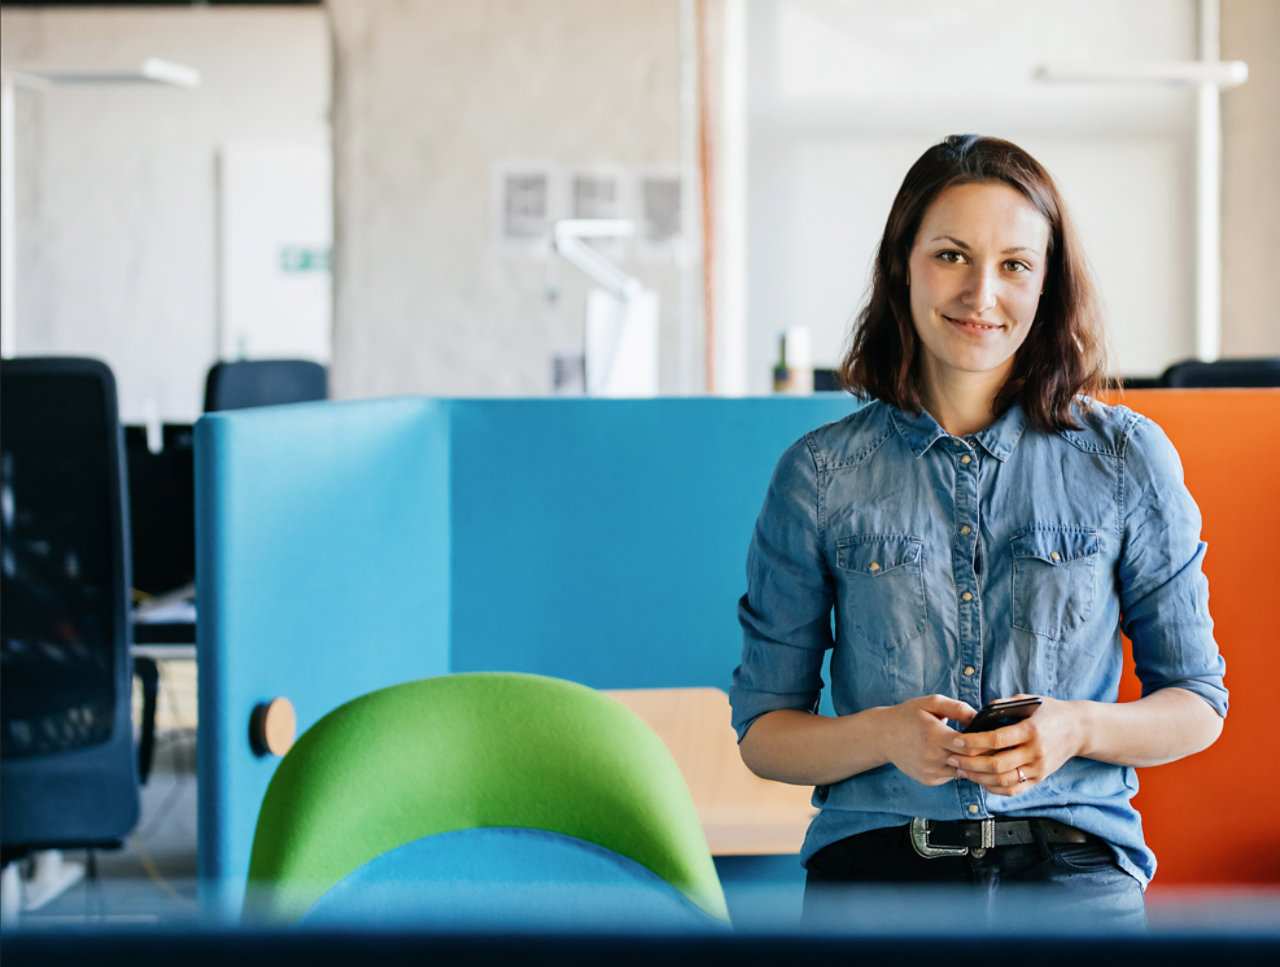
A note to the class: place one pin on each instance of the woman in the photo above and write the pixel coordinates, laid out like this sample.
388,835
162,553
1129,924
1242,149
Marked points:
980,530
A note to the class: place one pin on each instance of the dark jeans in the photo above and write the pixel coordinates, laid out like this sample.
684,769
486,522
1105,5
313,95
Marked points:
1033,888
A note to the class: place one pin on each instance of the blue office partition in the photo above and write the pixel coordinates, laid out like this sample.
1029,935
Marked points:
322,574
343,547
605,541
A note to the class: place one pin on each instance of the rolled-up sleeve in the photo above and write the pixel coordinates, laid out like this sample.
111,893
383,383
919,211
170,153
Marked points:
1164,592
786,612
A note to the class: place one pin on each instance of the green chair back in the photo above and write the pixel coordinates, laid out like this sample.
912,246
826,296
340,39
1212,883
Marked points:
486,749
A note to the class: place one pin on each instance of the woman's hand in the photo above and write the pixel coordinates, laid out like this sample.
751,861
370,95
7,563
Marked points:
1010,760
800,747
794,746
1160,727
915,737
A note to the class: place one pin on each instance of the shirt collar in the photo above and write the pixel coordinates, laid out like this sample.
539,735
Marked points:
920,431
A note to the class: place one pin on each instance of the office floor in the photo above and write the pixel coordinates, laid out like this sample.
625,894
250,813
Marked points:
152,879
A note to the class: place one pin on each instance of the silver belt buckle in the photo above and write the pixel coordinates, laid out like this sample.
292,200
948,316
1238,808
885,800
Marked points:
920,840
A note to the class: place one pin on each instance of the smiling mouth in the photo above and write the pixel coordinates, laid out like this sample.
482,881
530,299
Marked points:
973,325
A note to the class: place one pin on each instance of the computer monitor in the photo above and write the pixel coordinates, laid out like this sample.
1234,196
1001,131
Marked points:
162,508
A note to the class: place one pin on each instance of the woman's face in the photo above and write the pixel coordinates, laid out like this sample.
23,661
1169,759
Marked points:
975,273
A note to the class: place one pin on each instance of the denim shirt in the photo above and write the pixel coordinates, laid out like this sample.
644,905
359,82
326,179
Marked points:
1007,561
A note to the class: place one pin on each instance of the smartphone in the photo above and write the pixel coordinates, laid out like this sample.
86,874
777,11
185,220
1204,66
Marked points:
996,715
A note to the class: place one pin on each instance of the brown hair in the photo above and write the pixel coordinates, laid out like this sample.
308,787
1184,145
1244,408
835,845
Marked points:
1064,353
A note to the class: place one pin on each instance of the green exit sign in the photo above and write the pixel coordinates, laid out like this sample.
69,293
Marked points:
301,258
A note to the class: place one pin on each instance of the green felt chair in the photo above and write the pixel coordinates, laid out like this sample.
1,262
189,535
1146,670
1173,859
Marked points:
539,760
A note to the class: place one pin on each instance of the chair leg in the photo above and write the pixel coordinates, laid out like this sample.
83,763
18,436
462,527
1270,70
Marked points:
51,876
11,894
149,673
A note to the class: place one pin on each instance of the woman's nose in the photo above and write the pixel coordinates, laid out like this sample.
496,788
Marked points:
980,289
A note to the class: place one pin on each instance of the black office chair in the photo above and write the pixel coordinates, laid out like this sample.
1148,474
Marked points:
68,773
1195,373
163,562
1141,382
263,382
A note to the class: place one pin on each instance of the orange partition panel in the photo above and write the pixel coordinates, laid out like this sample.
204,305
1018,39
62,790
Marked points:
1214,818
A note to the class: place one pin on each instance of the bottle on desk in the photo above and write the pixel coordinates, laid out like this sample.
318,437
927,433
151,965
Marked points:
794,372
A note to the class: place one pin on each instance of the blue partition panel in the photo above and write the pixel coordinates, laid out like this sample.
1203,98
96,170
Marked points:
322,571
344,547
605,541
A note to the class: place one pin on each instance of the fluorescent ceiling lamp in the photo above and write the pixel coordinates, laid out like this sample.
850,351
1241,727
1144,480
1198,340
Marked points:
1221,73
153,70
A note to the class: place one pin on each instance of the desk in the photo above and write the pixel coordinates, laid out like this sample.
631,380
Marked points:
168,618
741,814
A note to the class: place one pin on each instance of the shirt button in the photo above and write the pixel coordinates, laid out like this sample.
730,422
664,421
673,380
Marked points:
967,596
1055,555
966,529
973,809
968,670
966,458
957,442
873,566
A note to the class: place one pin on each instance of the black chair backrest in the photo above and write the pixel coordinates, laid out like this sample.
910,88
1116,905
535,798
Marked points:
68,771
1197,374
263,382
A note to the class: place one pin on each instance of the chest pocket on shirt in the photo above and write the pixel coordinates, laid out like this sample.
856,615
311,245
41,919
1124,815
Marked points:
882,587
1053,579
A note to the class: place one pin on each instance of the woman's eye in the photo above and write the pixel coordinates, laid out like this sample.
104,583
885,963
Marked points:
950,256
1015,266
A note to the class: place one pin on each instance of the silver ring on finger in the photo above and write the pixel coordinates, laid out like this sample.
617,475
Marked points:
1022,776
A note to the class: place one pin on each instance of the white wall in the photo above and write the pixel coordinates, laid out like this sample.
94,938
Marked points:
842,97
116,186
428,96
116,202
1251,174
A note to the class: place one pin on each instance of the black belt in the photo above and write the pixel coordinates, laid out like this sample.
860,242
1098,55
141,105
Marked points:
933,838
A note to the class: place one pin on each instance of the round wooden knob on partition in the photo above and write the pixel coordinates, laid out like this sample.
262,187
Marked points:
273,727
